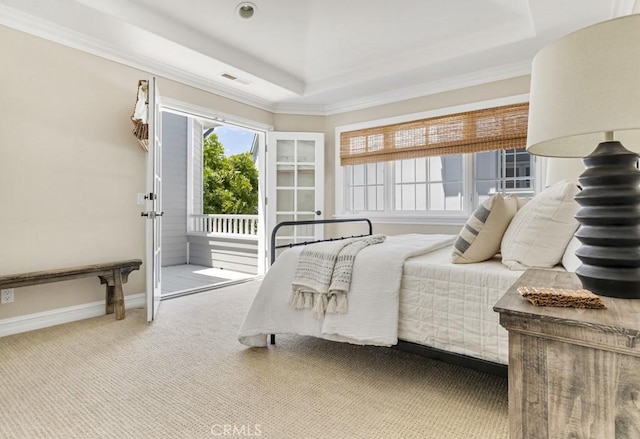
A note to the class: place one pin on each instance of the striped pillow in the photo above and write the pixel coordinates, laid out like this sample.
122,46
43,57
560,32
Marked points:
480,237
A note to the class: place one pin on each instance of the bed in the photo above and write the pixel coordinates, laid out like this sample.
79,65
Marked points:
441,309
407,292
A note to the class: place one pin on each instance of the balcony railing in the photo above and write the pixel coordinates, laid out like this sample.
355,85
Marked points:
237,225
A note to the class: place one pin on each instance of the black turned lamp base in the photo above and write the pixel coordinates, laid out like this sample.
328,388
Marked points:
617,283
610,222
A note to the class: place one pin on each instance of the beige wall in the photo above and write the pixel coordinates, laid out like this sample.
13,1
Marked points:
70,168
289,122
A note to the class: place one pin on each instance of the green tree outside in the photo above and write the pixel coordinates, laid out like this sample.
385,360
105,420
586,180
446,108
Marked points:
230,184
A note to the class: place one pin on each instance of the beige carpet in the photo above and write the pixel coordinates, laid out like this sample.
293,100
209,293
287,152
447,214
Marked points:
186,376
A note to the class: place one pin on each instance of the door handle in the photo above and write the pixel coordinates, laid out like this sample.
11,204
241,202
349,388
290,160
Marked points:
318,212
151,215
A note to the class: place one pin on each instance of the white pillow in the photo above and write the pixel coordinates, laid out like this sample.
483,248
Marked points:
522,202
480,237
540,231
570,261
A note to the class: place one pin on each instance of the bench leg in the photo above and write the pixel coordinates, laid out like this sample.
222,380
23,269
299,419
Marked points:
115,294
118,294
109,300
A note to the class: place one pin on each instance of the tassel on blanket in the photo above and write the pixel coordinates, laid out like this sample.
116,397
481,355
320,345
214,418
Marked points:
299,299
293,298
323,275
338,304
320,306
342,304
308,300
296,299
333,304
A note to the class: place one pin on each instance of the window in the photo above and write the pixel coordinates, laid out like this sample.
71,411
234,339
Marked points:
440,167
437,184
365,184
504,171
428,184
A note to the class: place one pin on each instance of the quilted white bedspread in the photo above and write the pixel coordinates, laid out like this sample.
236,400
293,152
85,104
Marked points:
450,306
372,317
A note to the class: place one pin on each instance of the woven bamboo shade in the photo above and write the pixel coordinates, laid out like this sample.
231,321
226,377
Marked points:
474,131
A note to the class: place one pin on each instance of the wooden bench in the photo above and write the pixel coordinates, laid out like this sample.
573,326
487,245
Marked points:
113,274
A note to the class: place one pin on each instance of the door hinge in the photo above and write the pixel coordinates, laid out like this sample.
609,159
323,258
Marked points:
265,201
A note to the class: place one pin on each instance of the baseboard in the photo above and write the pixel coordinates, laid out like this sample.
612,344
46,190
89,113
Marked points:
58,316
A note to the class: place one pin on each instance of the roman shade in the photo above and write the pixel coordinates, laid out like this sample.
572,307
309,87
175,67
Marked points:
461,133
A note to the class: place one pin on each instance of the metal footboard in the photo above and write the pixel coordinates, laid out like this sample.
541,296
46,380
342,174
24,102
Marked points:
274,235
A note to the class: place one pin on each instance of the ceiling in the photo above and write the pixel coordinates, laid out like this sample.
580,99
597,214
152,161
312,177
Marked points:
315,56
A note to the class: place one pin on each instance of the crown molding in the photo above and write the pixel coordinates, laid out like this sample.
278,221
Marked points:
301,109
58,34
456,82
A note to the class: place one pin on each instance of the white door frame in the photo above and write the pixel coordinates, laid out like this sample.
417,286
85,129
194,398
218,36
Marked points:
261,130
153,197
296,164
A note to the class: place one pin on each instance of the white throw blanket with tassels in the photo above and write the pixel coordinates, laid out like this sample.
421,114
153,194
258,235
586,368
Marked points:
323,275
373,296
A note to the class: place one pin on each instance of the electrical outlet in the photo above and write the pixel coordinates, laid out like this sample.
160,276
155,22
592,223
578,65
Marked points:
7,296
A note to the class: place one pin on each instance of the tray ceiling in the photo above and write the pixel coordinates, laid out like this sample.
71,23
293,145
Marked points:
315,56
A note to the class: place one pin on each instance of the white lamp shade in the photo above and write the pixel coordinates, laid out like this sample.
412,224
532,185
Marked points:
583,86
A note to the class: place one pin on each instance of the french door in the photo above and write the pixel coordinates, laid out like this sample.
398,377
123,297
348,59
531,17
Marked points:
154,202
295,186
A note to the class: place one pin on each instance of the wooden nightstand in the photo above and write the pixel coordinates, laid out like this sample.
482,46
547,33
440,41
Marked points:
573,373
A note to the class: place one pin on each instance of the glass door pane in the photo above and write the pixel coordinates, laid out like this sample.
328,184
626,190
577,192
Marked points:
297,166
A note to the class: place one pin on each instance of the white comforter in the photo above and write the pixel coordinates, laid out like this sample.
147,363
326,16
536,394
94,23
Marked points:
373,298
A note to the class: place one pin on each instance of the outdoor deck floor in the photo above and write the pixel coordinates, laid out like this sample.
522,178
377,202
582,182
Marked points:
184,278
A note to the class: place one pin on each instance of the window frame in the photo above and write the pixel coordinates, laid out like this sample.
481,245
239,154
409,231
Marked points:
422,217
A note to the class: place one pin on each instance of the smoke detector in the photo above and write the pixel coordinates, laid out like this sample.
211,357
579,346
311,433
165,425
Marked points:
246,10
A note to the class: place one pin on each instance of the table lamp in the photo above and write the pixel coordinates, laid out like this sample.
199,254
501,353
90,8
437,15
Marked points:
585,102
